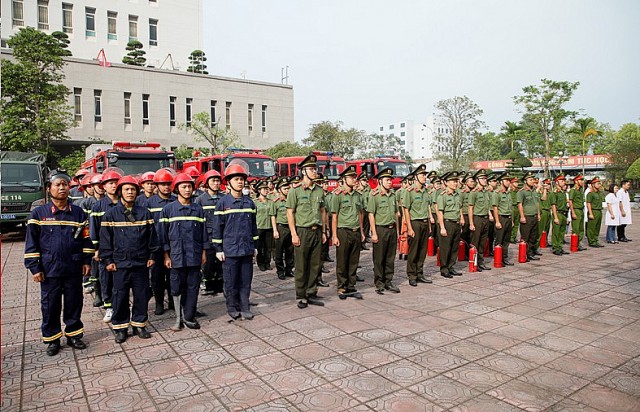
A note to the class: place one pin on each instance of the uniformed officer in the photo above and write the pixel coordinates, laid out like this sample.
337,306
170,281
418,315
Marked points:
86,188
383,218
307,220
127,244
467,188
328,195
450,218
403,242
515,213
434,183
594,201
58,252
417,212
479,216
559,209
529,210
183,235
501,203
282,235
87,205
160,274
235,234
148,188
75,194
266,219
348,234
212,269
295,181
544,196
576,204
492,185
365,190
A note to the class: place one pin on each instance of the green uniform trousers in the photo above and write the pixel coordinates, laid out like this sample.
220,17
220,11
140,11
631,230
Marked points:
384,253
529,233
480,235
515,219
557,237
284,251
449,245
545,223
503,235
593,227
307,261
417,249
577,225
347,258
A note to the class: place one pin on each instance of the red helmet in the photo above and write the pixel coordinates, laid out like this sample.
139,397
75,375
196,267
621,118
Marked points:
181,178
210,174
81,172
234,170
127,180
192,171
73,183
147,177
86,180
96,179
163,176
110,175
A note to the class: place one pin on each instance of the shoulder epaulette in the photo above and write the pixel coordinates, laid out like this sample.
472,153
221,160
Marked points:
337,191
374,192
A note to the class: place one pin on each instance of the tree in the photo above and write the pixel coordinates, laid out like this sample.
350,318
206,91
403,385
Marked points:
196,62
512,132
73,160
487,146
63,39
332,137
380,144
135,57
634,170
287,149
461,116
543,110
33,108
624,148
218,138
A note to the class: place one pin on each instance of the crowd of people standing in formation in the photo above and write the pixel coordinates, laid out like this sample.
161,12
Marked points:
177,235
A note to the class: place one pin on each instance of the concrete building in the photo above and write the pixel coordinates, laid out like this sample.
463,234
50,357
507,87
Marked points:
420,139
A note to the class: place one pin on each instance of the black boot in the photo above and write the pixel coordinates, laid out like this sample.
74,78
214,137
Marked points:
142,332
53,348
159,305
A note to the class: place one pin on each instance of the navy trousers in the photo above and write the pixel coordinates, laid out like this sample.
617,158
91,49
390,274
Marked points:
185,282
52,292
106,285
137,280
212,273
160,278
238,275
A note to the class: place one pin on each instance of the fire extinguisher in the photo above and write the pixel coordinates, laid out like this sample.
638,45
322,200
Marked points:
438,257
522,252
462,246
430,246
473,259
497,257
574,242
543,240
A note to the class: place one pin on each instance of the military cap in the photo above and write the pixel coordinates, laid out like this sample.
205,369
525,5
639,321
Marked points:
514,179
480,173
309,161
386,172
363,176
422,169
579,177
407,178
295,179
595,180
282,183
546,181
274,178
493,177
560,177
527,176
451,176
443,177
321,178
260,184
432,174
504,176
349,171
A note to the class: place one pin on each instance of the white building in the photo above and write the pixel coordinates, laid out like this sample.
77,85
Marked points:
419,138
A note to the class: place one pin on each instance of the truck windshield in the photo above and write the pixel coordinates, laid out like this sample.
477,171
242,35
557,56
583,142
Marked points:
259,166
331,170
399,169
21,175
132,166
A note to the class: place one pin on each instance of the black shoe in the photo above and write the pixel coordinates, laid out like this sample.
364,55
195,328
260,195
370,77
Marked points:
207,292
281,276
564,252
142,332
413,283
76,343
478,269
447,275
327,259
533,258
191,324
581,248
507,263
537,253
121,335
170,305
355,294
392,288
322,283
313,300
53,348
380,291
342,295
406,257
359,278
200,314
484,267
302,304
421,280
97,301
557,253
159,308
289,275
247,315
455,272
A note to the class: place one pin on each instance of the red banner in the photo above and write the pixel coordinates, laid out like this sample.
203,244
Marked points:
538,162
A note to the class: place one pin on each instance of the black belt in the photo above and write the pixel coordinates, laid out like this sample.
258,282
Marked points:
420,220
452,220
283,224
509,216
481,217
387,226
314,227
349,229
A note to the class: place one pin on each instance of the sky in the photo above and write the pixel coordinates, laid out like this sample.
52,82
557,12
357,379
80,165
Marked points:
371,63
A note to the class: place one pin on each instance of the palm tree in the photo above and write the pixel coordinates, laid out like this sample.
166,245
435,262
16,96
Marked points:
585,128
512,129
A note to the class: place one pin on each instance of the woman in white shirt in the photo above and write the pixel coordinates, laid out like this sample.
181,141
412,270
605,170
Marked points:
612,215
625,209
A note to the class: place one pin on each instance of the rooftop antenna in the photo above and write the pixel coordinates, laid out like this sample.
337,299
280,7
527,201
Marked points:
284,73
170,62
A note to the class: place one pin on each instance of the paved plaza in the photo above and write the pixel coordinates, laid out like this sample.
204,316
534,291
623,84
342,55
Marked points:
558,334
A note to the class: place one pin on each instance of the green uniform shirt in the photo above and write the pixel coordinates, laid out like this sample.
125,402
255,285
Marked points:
596,199
347,207
545,204
480,201
529,201
577,197
365,195
264,211
383,207
502,200
399,195
464,196
327,201
280,206
450,205
435,194
559,198
307,204
418,202
514,198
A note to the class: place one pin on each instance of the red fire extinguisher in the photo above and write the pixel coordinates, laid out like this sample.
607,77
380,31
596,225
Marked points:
461,251
486,248
574,242
438,257
473,259
543,239
430,246
522,252
497,257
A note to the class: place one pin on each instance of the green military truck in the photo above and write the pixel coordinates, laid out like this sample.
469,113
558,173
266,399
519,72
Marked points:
22,178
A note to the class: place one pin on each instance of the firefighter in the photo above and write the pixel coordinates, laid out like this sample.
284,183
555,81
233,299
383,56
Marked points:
93,282
75,194
58,252
184,240
195,175
127,244
148,188
212,269
235,233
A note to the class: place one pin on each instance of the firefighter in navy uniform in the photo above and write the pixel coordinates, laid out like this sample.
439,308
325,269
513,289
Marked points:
127,244
58,253
212,269
148,188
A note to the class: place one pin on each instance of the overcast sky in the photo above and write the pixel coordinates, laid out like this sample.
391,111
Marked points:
374,62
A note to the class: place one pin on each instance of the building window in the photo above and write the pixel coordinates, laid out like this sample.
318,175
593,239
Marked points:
67,18
402,134
381,128
391,127
250,118
227,116
402,125
133,27
189,103
112,18
127,108
153,32
172,110
145,109
77,104
90,17
264,119
43,14
97,100
214,119
18,13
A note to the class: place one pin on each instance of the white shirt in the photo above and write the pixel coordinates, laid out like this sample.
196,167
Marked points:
623,198
612,200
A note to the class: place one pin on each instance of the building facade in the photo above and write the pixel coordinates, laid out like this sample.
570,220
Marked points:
422,140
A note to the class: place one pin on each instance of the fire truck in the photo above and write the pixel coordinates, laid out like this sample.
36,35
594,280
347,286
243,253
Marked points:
373,166
133,158
260,165
328,164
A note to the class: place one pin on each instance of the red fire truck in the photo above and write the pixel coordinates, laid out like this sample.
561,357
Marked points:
132,158
328,164
260,165
373,166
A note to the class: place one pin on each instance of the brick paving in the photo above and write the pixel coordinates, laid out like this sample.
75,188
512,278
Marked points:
558,334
